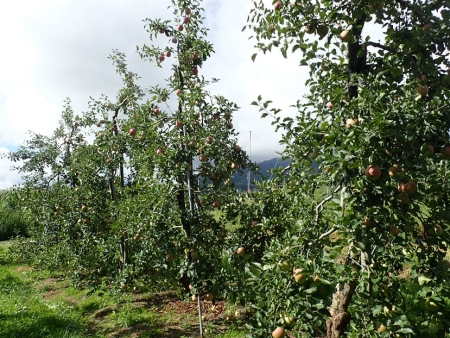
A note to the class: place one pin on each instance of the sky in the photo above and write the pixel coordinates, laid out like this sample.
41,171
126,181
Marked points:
57,49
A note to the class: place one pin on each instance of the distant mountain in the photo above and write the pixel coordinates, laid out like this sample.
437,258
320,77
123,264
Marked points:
240,181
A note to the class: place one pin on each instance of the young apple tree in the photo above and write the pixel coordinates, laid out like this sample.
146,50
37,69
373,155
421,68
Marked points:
368,185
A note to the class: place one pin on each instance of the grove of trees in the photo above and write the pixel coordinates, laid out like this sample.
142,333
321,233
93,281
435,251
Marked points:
350,240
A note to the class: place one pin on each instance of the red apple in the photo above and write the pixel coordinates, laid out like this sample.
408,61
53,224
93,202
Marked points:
240,251
373,172
238,148
174,40
345,35
203,158
180,28
132,132
194,56
179,92
234,165
435,230
279,332
195,70
277,6
407,188
395,170
161,58
179,124
215,204
187,11
394,230
186,20
299,276
330,105
426,27
422,90
209,139
351,122
168,54
156,111
159,152
445,152
161,30
368,222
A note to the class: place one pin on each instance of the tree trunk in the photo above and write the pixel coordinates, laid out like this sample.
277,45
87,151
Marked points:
340,317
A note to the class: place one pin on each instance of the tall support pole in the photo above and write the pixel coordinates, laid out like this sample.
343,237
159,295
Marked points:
250,155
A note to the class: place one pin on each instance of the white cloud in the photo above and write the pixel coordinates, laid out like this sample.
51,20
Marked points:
56,49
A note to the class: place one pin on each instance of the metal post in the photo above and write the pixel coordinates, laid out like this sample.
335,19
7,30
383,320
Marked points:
191,209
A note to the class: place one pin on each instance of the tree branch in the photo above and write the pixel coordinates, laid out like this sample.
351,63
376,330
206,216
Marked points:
379,45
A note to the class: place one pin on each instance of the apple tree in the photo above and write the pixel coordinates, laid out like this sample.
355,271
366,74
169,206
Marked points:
367,251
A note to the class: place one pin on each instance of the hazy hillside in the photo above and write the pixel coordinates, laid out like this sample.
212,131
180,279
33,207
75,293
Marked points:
240,181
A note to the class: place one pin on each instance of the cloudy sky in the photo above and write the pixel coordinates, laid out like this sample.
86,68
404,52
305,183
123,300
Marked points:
55,49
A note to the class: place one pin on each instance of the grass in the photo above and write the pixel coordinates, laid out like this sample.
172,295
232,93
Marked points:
38,304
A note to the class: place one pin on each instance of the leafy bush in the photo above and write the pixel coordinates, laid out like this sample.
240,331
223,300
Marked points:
13,221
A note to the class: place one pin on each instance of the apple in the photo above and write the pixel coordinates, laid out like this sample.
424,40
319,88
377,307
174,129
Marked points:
435,230
288,321
238,148
279,332
394,230
446,264
179,92
209,139
284,266
395,170
397,72
195,70
174,40
402,198
277,5
240,251
194,298
186,20
132,132
309,29
422,90
351,122
169,257
215,204
234,166
407,188
373,172
209,297
299,276
431,306
426,27
382,328
330,105
368,222
445,152
168,54
86,221
180,28
159,152
179,124
322,30
84,208
161,30
187,11
192,143
156,111
427,149
194,56
345,35
203,158
161,58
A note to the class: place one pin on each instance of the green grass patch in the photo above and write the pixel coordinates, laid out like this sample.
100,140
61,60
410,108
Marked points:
36,303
